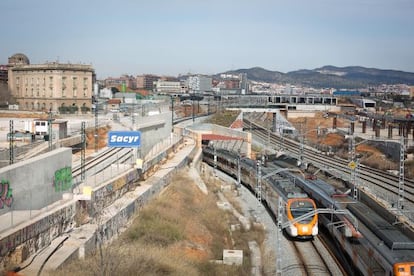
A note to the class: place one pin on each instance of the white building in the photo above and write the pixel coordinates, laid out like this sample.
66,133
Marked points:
168,87
105,93
199,83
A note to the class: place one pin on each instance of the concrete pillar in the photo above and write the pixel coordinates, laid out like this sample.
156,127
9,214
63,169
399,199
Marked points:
377,132
407,130
274,122
334,123
390,131
364,127
352,128
383,122
378,128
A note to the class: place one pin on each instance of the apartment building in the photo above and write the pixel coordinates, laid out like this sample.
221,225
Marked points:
124,81
51,86
168,87
199,83
146,81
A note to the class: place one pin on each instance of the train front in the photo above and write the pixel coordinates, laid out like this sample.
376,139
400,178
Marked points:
307,226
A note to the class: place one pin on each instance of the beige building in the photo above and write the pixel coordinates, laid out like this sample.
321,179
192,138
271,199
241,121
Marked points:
64,88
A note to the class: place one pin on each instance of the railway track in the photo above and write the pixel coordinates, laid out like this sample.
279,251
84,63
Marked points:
384,185
313,259
102,161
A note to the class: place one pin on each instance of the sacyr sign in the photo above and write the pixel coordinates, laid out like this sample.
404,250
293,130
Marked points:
124,139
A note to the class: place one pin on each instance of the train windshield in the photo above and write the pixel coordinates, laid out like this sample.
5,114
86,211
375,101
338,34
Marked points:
300,208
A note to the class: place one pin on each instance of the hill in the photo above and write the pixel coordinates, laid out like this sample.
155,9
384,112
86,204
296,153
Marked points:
350,77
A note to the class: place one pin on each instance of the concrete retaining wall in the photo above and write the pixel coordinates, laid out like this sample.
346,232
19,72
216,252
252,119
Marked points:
36,182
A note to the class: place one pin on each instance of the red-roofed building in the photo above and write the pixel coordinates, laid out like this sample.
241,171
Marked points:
113,104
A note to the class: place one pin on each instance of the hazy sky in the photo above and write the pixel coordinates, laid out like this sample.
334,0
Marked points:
171,37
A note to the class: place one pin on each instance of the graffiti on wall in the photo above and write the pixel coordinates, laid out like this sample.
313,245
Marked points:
63,179
39,232
119,183
6,196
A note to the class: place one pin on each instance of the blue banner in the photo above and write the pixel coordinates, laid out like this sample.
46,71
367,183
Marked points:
124,139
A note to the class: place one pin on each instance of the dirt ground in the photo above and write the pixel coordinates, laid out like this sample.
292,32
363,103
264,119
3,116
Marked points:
369,155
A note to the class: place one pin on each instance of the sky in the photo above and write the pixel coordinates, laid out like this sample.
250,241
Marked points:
172,37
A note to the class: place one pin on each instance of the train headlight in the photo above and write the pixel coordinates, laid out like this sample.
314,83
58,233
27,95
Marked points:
293,231
315,230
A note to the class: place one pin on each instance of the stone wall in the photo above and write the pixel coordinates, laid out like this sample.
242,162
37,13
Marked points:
25,240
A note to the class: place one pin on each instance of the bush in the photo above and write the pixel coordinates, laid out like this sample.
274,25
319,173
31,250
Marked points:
177,233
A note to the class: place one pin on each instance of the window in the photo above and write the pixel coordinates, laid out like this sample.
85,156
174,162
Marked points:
74,86
63,86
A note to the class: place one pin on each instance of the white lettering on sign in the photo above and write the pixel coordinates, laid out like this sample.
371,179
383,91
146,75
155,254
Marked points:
124,139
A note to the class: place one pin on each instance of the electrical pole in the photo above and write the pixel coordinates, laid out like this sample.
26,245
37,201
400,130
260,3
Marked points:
172,113
96,125
279,237
11,142
83,141
50,130
215,160
400,202
238,171
259,181
192,105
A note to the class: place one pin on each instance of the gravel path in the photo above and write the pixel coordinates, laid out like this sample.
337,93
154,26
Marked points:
256,212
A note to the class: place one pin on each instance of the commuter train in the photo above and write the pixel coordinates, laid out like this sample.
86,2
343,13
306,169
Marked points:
307,227
404,269
297,203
